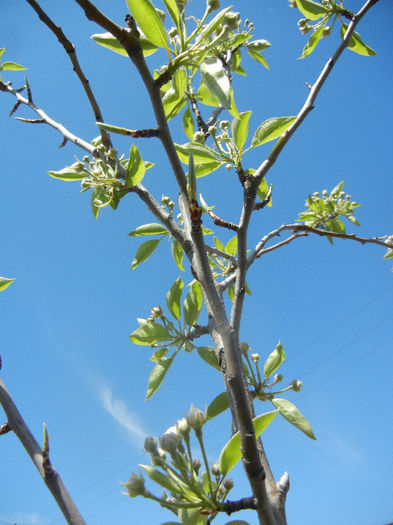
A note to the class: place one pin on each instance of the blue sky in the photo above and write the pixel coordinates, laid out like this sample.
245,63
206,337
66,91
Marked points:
67,358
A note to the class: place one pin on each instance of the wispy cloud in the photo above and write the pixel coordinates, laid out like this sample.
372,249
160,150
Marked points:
22,518
120,412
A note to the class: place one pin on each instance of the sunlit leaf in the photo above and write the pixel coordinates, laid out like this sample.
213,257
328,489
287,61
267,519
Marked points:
5,283
160,478
144,251
231,453
135,168
206,97
356,44
271,129
312,42
68,174
110,42
178,254
188,124
201,153
258,45
216,79
149,332
231,246
148,20
12,66
240,129
173,11
311,10
274,360
173,298
258,57
218,405
292,414
148,229
213,24
192,304
208,354
157,375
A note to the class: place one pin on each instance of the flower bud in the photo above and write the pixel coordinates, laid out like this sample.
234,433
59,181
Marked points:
296,385
215,469
244,347
170,440
277,378
212,5
151,445
182,427
156,312
324,193
199,137
135,485
196,418
326,31
188,347
196,465
231,20
228,484
224,125
255,358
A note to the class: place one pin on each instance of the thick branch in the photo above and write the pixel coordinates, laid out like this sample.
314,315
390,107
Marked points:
71,52
52,481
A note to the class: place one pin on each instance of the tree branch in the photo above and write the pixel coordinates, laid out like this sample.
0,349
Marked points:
53,481
7,88
71,52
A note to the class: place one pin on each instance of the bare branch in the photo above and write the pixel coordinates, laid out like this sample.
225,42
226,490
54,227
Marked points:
53,481
71,52
222,223
45,118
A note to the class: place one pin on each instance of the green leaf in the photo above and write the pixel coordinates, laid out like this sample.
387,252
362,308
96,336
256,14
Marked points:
110,42
193,304
148,20
2,49
149,332
240,129
388,254
231,292
68,174
213,24
313,41
4,281
218,405
12,66
237,522
232,108
231,246
216,80
160,478
356,44
178,254
274,360
144,252
135,168
206,169
258,45
292,414
191,178
205,96
173,298
201,153
263,190
148,229
157,376
311,10
208,354
188,124
173,11
258,57
231,453
159,354
100,197
271,129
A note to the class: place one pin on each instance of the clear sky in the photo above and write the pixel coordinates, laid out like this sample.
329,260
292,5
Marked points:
67,358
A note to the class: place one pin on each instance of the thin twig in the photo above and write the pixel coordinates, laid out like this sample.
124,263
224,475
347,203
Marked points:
71,52
222,222
7,88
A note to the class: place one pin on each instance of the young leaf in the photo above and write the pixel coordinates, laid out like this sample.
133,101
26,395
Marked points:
68,174
231,453
148,20
292,414
208,354
157,375
311,10
231,292
188,124
144,252
201,153
100,197
161,479
258,45
173,298
206,97
356,44
240,129
274,360
12,66
135,168
206,169
5,282
313,41
173,10
110,42
258,57
218,405
270,130
149,333
193,304
231,246
213,24
216,79
149,229
178,254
